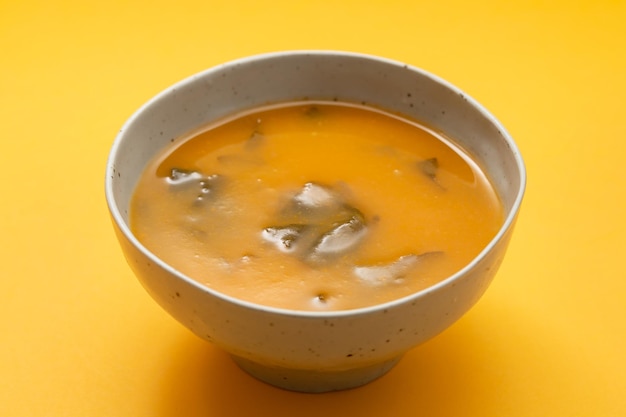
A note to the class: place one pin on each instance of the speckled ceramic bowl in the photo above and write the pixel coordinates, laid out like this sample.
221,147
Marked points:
298,350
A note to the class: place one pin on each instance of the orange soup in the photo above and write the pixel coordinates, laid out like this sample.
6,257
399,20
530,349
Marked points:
315,206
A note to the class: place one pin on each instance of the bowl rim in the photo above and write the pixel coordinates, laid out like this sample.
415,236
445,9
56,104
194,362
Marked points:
508,222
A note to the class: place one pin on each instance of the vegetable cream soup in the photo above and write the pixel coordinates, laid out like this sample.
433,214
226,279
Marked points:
315,206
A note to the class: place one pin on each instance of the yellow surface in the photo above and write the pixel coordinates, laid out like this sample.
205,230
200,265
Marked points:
80,337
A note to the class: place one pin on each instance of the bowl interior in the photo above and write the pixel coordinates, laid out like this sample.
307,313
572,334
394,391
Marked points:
310,75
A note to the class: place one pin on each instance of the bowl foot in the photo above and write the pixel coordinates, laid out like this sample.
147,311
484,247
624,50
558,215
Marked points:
313,381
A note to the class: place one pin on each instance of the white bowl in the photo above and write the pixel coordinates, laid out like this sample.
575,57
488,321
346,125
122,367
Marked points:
304,350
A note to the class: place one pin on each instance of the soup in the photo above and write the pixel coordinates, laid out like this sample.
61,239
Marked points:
315,206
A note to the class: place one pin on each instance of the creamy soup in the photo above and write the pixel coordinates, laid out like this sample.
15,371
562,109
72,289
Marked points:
315,206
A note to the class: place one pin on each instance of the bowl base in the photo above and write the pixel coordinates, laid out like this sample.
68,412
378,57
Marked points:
313,381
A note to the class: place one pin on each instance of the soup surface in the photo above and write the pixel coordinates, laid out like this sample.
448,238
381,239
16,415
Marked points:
315,206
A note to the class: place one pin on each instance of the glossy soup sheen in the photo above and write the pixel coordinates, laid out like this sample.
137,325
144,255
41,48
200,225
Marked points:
315,206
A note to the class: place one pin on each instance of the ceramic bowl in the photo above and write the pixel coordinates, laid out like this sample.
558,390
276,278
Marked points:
303,350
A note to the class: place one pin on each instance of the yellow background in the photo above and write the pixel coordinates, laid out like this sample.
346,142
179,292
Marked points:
80,337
